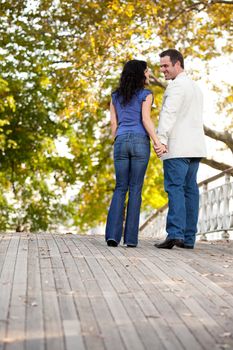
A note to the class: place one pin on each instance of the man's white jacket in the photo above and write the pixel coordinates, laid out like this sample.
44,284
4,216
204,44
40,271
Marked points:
180,122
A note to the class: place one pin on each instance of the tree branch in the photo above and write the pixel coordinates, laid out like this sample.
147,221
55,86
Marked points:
193,7
225,136
214,164
221,2
196,7
156,82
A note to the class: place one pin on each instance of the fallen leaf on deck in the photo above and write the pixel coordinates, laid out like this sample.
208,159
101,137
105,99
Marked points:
178,279
225,335
223,346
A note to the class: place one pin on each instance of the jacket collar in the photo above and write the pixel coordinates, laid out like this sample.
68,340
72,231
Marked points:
180,75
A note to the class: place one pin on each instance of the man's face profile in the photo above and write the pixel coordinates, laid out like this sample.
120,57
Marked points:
169,70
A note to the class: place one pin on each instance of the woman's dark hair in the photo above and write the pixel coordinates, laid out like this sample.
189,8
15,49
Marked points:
132,79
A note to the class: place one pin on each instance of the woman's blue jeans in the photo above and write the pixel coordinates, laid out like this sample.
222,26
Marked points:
131,156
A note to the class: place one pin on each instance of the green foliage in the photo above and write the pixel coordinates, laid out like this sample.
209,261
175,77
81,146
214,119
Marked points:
59,62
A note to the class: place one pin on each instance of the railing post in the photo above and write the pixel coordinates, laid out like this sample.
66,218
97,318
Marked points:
204,211
226,215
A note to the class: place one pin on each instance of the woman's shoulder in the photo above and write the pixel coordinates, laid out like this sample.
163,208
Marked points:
147,90
143,93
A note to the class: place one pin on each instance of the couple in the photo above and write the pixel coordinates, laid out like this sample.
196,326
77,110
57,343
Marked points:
179,142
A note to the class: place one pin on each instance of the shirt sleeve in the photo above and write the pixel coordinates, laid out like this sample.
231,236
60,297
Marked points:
146,93
173,99
114,98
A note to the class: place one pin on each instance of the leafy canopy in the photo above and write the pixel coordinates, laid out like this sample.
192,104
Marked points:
59,62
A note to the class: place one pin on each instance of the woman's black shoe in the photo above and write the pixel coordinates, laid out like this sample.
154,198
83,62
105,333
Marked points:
112,243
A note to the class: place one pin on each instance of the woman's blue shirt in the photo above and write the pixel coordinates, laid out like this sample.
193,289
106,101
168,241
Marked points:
129,117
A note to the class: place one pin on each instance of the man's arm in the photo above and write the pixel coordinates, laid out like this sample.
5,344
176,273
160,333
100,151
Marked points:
149,125
168,115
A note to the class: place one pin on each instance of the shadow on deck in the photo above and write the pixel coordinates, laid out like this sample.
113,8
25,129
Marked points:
73,292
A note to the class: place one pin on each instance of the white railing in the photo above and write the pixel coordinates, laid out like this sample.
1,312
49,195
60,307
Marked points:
215,212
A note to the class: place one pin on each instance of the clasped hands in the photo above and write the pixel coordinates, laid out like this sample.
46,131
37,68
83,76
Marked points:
160,148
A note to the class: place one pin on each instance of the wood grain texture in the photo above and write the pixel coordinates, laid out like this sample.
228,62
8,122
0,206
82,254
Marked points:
70,292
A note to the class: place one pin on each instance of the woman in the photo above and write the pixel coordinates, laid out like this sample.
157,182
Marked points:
131,127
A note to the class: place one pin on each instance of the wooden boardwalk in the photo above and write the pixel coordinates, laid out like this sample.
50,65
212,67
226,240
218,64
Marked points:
73,293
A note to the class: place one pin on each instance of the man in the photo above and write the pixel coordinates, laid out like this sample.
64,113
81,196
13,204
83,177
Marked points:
181,130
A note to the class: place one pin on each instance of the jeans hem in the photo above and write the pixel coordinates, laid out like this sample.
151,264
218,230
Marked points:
130,243
112,239
175,237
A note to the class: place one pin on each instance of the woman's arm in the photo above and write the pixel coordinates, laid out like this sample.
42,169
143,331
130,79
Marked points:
149,125
113,117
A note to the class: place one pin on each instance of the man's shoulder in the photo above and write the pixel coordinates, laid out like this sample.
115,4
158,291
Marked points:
175,85
183,79
183,82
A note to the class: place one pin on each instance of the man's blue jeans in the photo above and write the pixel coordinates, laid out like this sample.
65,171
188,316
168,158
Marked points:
131,156
180,182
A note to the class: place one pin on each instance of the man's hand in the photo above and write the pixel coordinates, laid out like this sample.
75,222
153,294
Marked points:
160,148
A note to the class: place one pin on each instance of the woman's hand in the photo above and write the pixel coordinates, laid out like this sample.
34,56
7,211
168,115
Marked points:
159,148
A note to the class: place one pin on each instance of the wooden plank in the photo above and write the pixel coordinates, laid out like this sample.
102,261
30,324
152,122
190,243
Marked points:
4,244
213,300
65,292
164,301
85,295
182,301
213,262
180,307
141,322
35,337
54,333
208,305
61,263
144,298
134,300
17,309
6,285
202,283
122,320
